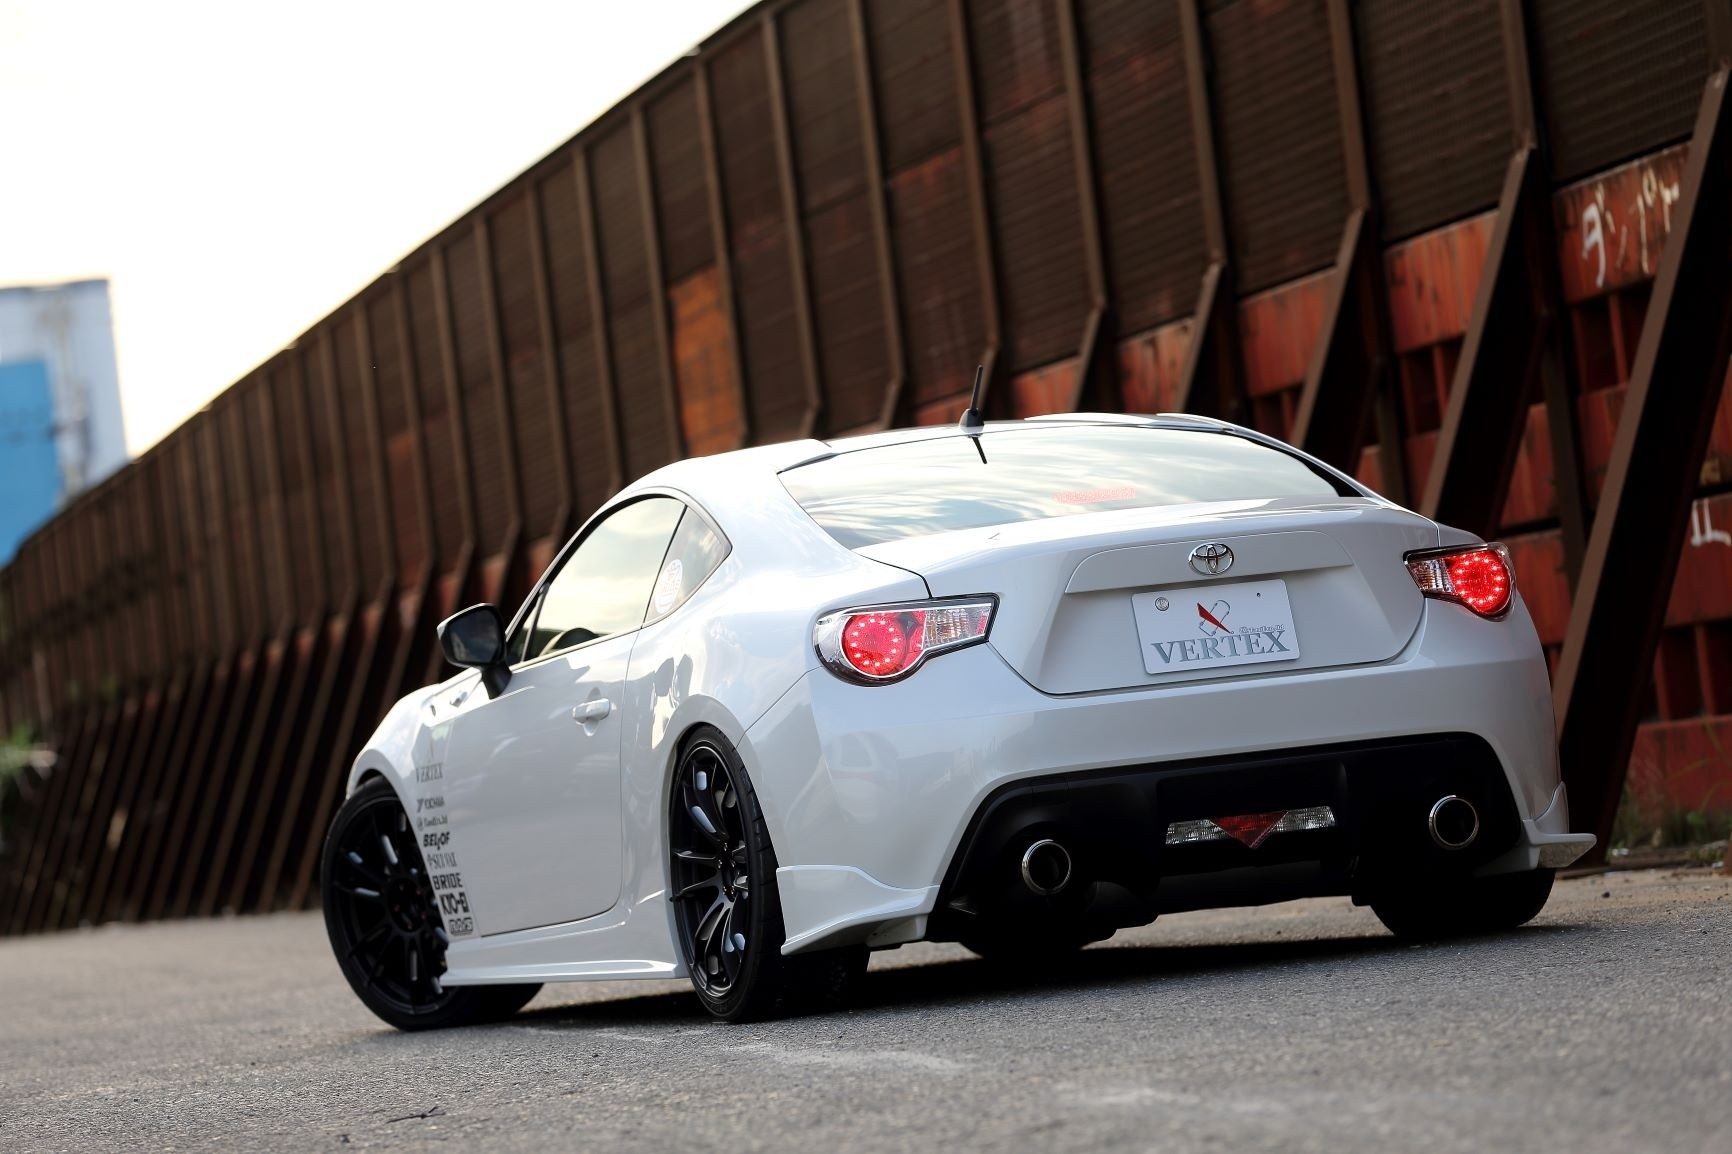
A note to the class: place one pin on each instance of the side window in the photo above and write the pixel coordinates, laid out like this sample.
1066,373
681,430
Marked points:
604,584
696,551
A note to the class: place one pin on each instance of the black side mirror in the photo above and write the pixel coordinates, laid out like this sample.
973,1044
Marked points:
474,638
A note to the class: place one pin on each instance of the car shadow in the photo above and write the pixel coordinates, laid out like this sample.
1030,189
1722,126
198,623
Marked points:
954,981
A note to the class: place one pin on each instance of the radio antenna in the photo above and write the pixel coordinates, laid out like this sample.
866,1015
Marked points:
972,422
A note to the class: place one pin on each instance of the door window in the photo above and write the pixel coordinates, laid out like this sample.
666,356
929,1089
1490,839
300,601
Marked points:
605,583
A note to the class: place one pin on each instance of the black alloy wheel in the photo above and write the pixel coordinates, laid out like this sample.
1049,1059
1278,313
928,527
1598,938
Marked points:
727,912
384,922
712,875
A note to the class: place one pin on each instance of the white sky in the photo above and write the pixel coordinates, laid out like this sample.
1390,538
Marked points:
238,170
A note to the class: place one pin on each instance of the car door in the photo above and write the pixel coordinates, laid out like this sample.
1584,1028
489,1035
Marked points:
531,775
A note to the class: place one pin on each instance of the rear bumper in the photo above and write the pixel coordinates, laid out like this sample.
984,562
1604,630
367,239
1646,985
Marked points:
869,791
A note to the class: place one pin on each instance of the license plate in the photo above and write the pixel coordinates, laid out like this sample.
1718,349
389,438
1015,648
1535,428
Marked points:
1212,626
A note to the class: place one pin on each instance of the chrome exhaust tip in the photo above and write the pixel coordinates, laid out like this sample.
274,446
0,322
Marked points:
1454,822
1046,867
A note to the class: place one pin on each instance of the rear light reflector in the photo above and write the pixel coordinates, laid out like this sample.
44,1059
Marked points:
881,643
1478,576
1252,829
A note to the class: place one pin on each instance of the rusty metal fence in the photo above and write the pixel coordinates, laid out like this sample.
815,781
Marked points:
1479,252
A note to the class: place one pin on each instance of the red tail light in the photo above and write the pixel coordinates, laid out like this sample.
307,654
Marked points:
883,643
1477,576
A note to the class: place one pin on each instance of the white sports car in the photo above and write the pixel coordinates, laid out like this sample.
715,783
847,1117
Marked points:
1015,685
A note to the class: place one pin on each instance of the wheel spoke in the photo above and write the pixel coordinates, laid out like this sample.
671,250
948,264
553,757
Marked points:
366,873
686,891
362,892
368,938
712,917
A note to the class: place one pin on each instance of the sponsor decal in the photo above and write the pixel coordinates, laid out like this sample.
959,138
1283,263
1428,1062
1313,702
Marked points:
669,585
438,849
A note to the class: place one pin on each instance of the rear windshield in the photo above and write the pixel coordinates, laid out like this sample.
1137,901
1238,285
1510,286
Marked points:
917,488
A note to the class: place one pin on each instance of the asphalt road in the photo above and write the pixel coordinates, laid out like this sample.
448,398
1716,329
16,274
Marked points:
1607,1025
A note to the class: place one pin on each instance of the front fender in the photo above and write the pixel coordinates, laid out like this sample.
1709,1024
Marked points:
400,743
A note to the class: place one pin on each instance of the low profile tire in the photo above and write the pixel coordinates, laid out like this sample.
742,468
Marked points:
727,912
384,922
1465,907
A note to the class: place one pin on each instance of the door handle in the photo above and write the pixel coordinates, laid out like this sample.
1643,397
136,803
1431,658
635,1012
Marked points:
592,710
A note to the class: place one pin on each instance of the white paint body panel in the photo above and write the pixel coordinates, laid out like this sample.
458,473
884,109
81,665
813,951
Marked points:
867,790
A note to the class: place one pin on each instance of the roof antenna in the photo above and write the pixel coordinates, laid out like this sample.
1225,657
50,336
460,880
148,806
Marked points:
972,422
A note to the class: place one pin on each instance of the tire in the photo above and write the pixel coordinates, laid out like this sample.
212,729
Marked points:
384,925
727,911
1464,907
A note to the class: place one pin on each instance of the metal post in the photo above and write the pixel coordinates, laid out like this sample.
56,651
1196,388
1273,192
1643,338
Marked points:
892,411
1638,533
974,173
1348,378
514,532
552,375
658,292
795,228
612,435
719,240
1513,333
1212,379
1097,366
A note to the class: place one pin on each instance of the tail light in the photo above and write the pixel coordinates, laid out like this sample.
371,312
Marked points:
882,643
1477,576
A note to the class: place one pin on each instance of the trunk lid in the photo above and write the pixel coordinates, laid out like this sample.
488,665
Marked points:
1111,600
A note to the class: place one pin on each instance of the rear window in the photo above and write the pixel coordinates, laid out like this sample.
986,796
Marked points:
918,488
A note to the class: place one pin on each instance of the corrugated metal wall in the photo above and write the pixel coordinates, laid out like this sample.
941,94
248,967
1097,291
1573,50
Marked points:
819,222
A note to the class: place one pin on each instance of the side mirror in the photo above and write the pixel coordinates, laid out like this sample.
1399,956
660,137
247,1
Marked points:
474,638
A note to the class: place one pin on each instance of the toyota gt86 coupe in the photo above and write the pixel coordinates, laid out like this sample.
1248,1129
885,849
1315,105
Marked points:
1016,685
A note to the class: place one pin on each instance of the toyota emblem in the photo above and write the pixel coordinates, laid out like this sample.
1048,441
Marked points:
1211,559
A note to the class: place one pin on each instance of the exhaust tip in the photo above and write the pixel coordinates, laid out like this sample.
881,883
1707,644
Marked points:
1454,822
1046,867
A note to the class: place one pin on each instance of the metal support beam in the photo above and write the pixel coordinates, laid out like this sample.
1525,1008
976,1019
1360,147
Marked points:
893,410
1212,379
1348,377
1506,335
658,292
719,244
1097,362
507,446
463,478
979,207
795,229
1663,431
551,373
1719,28
1514,332
606,386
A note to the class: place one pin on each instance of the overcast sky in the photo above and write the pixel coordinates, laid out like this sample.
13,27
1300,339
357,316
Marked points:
237,170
